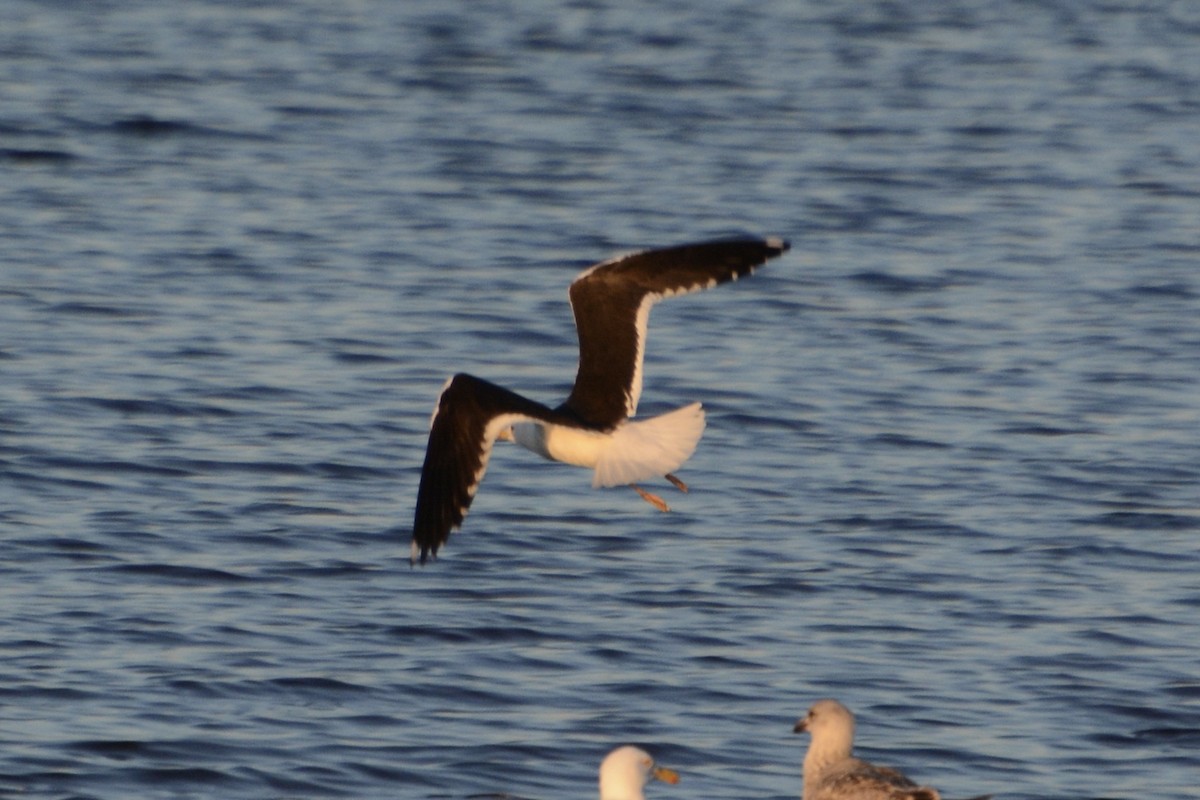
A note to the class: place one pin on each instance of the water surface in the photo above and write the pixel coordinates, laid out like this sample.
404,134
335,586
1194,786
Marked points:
951,464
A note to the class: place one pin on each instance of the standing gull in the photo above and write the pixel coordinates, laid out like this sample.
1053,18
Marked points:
626,771
592,428
832,773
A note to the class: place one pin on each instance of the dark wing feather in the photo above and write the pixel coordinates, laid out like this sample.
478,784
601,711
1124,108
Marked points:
862,779
606,299
470,413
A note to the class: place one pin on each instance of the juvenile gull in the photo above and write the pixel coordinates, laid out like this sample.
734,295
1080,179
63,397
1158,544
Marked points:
831,772
592,428
626,771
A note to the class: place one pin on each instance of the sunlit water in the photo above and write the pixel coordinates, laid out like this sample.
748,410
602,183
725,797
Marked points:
950,474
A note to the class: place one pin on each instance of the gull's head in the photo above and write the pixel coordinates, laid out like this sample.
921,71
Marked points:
506,435
831,726
626,770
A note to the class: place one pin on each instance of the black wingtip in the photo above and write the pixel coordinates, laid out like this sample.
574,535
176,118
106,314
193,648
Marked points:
420,554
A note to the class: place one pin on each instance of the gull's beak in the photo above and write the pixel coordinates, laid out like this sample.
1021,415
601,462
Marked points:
665,775
506,435
801,726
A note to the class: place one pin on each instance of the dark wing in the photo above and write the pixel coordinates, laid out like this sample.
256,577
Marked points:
612,301
470,414
861,779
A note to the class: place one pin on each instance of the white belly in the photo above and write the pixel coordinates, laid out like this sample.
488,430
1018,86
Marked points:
635,450
576,446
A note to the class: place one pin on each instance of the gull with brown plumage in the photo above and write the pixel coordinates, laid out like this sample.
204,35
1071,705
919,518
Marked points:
831,772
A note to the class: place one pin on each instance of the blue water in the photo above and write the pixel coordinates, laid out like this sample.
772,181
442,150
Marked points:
950,474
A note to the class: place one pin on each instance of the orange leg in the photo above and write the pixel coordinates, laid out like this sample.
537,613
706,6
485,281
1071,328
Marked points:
680,485
652,499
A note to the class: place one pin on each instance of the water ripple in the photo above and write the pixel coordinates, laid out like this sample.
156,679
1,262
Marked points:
949,471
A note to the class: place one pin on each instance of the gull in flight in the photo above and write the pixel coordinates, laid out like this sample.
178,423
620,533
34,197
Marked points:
593,427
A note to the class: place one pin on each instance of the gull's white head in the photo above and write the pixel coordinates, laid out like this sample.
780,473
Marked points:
831,726
626,770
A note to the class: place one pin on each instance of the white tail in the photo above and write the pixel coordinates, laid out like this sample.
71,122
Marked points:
641,449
